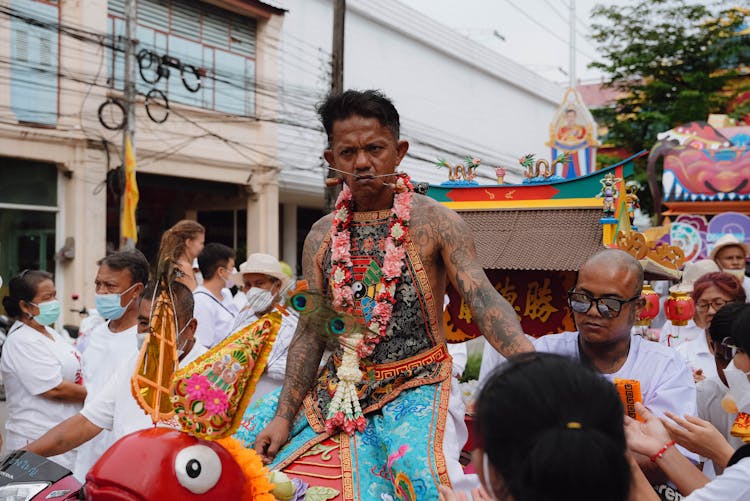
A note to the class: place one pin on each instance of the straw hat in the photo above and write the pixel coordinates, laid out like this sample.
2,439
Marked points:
728,241
692,272
264,264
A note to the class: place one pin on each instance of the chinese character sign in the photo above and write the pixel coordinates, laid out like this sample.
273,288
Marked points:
538,297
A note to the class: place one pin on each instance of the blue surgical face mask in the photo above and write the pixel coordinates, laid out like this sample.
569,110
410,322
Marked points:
49,312
108,305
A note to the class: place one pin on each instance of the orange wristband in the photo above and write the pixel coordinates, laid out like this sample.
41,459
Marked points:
661,452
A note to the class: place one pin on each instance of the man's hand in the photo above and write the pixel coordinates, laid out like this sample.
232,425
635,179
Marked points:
272,438
699,436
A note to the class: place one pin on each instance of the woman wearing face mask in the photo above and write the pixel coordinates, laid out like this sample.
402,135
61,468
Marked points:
655,437
710,392
711,292
549,429
41,370
731,255
214,307
263,281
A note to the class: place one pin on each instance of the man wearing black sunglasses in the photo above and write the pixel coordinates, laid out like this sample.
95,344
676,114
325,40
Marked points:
605,302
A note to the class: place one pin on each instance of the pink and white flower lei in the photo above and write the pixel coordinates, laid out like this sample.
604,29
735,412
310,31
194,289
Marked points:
344,411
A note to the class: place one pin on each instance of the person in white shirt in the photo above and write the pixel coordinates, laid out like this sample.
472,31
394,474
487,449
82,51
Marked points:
41,371
214,308
119,282
262,280
711,391
710,293
673,336
113,408
605,302
655,437
731,256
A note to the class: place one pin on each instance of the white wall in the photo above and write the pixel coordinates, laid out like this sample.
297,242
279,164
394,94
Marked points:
455,96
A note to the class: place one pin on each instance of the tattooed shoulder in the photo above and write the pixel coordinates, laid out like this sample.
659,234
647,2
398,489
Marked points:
313,241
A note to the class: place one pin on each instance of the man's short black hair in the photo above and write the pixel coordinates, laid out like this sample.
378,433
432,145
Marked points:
366,103
132,260
212,257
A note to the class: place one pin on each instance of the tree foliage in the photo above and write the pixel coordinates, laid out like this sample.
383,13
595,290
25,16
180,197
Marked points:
671,60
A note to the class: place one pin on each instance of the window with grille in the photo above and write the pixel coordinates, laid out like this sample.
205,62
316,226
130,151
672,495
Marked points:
219,42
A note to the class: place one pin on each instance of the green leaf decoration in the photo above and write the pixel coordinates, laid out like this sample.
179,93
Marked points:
320,493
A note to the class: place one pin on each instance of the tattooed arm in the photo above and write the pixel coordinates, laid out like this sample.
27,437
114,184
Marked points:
494,316
305,352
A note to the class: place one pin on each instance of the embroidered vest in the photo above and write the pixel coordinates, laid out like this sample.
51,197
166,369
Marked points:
411,354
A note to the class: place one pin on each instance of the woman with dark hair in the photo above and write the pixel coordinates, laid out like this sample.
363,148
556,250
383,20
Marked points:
41,370
711,392
550,429
710,293
181,244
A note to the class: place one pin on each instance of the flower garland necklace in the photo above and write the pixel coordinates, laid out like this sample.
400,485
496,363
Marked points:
344,411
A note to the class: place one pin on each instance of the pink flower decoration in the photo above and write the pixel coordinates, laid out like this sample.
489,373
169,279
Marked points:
394,258
361,423
216,402
382,311
364,350
341,248
197,386
350,426
402,207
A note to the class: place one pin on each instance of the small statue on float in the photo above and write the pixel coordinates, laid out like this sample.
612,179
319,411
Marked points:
609,193
541,171
632,202
461,174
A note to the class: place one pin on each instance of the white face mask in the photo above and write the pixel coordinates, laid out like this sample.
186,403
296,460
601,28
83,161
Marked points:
739,389
199,277
228,282
738,274
258,300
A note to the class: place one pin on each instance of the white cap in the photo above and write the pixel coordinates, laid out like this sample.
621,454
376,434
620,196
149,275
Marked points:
265,264
692,272
728,241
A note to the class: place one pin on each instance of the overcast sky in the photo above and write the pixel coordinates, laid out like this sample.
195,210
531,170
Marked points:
536,32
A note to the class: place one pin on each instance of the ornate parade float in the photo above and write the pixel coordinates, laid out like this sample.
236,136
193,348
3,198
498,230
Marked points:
704,186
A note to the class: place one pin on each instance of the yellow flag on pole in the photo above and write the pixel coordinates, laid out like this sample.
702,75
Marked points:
131,195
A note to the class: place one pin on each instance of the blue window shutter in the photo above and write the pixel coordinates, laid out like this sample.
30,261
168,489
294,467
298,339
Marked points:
186,20
34,63
243,36
154,13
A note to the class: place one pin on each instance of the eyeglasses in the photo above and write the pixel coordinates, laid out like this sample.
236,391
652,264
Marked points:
608,307
728,349
716,303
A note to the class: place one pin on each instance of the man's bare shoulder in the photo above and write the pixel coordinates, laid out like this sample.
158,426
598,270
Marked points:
426,209
319,230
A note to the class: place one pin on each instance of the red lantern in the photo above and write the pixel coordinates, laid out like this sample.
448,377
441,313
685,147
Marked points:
650,307
679,308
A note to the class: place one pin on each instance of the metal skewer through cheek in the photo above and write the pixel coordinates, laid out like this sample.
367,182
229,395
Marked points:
392,185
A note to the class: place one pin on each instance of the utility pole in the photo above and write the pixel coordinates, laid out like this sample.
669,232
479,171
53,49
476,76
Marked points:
128,131
337,84
572,64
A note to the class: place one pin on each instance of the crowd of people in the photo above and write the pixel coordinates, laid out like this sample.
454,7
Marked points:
552,420
72,401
